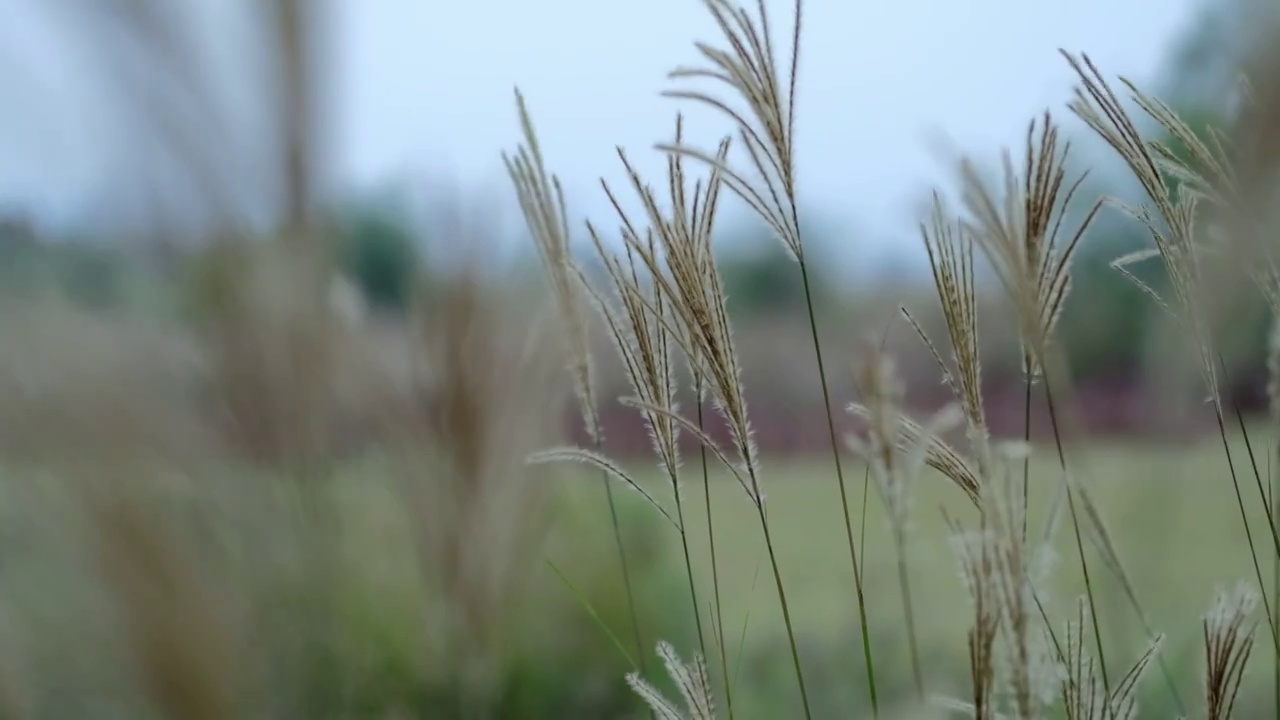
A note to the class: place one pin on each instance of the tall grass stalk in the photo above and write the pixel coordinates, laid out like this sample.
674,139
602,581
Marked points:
688,563
748,67
652,375
686,276
1266,506
1018,230
1110,557
1274,502
782,601
844,495
896,467
645,338
1075,527
1257,475
1275,591
711,548
1174,188
638,327
1244,521
542,203
620,546
1026,437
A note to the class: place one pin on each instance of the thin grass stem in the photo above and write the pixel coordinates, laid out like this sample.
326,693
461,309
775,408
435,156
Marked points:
688,563
1075,524
626,570
586,605
1275,583
1271,524
1248,532
782,598
622,555
1026,437
715,570
844,496
1134,603
908,611
1257,475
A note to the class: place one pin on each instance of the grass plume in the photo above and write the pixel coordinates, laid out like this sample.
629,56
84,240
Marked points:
895,468
542,202
1228,641
746,64
1170,215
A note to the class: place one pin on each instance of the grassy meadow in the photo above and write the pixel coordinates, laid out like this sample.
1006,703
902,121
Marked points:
302,476
1173,517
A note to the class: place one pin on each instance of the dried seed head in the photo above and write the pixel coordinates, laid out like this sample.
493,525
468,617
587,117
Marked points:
939,455
682,268
1083,692
748,67
977,571
1083,697
542,203
998,567
1019,229
895,449
638,322
1170,215
950,249
690,678
1228,640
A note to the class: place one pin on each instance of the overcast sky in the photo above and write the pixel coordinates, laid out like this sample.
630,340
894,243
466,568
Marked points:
425,90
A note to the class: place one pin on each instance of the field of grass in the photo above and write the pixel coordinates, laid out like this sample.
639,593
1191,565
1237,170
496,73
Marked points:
1170,507
251,509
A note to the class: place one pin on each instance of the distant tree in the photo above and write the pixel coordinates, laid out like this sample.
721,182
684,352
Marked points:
762,281
1204,67
92,276
378,252
761,277
1107,325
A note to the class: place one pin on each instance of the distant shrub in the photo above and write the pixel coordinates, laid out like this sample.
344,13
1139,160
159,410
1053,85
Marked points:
93,278
377,251
763,280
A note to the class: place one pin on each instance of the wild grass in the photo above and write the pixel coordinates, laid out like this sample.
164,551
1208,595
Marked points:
218,557
1018,226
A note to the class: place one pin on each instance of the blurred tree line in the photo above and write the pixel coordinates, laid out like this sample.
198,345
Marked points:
1109,326
1107,329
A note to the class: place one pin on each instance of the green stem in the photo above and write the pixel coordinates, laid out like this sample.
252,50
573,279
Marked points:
622,555
1244,519
782,600
1275,582
1271,517
1129,592
1257,476
844,497
1075,524
908,611
1026,437
688,562
866,486
715,571
626,575
595,616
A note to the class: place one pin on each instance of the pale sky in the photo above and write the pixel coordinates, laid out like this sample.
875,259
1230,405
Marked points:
425,90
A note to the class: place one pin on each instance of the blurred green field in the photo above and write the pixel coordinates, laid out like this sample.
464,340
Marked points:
1170,507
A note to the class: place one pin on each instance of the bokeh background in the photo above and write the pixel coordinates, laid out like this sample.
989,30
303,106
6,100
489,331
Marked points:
266,385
